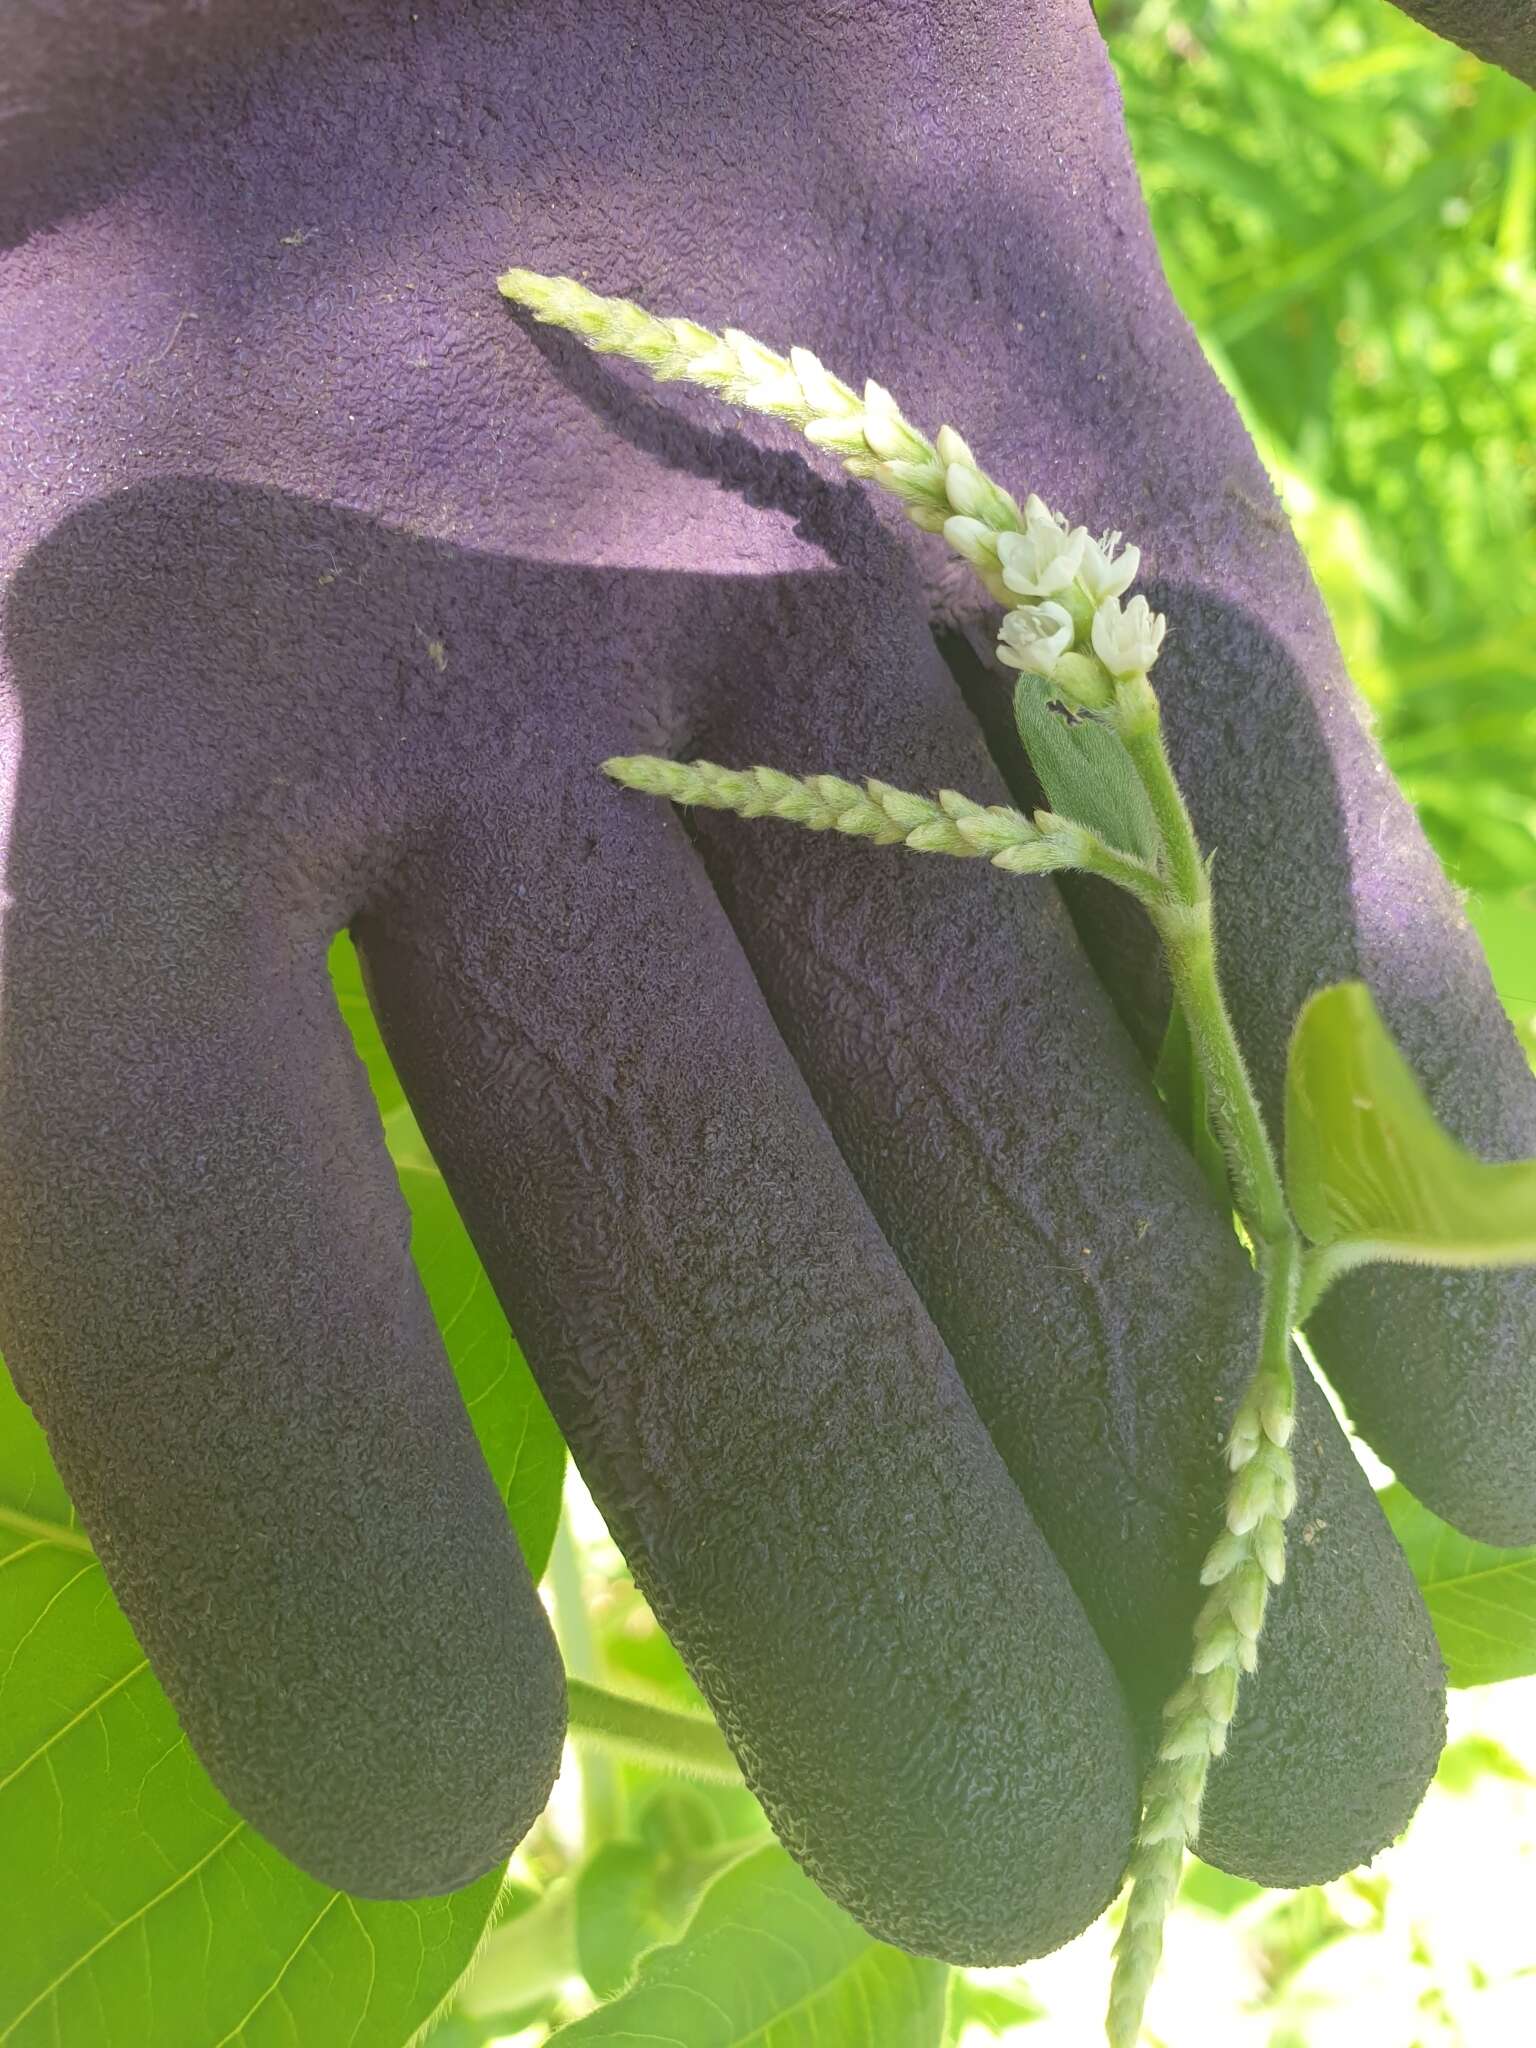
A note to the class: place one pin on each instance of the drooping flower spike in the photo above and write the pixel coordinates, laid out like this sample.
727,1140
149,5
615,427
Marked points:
1032,553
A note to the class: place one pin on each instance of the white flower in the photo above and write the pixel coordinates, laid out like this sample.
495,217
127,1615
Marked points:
1127,641
1102,572
1043,558
1034,637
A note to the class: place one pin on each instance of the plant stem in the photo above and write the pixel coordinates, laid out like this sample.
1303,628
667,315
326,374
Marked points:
1189,941
662,1736
1141,728
602,1795
1248,1558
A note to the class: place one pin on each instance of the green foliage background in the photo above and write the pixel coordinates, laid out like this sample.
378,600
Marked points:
1347,211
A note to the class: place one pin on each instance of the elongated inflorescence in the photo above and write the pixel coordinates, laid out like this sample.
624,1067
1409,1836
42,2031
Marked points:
936,480
1243,1564
949,823
1071,583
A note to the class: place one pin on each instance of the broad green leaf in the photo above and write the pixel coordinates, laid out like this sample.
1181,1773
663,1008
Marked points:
1481,1600
767,1960
136,1905
1084,770
517,1433
1507,927
1368,1165
1465,1764
1215,1891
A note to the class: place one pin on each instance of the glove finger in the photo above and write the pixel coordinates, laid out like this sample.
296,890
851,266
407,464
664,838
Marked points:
205,1284
748,1381
1093,1296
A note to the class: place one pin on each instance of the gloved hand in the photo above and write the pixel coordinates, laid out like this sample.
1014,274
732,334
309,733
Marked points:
826,1190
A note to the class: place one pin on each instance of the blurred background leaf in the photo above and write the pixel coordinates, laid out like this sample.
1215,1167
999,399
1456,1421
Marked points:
1481,1600
1346,209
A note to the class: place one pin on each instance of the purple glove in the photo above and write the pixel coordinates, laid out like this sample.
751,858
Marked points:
825,1189
1503,31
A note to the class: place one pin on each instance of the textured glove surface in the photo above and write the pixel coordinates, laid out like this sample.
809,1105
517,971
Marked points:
1503,31
825,1189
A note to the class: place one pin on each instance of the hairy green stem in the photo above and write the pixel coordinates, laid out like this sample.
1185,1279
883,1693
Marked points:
653,1735
1141,727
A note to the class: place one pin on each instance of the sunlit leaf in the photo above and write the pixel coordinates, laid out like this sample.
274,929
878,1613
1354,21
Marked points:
767,1960
1507,927
137,1905
997,2006
1368,1164
1481,1600
1465,1764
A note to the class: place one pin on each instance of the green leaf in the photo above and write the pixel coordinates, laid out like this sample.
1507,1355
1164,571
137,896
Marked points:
517,1433
137,1905
1085,771
1507,927
767,1960
1370,1169
1465,1764
619,1915
1481,1600
999,2007
632,1894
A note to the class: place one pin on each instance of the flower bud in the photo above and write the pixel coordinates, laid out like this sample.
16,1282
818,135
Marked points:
1079,679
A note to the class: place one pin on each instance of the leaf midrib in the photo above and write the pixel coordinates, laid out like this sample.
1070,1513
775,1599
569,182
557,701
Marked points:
57,1533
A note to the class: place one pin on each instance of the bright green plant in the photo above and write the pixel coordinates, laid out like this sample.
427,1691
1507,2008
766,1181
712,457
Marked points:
1370,1175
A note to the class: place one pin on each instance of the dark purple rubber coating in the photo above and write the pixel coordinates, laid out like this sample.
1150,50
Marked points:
823,1185
1503,31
